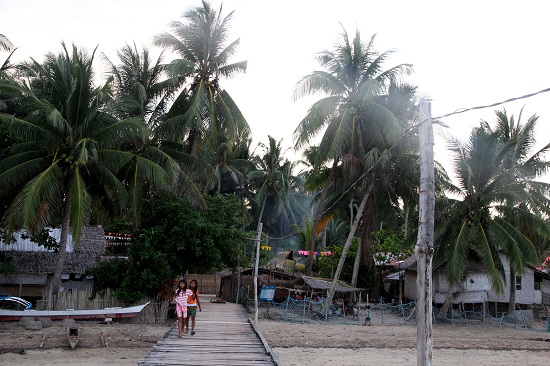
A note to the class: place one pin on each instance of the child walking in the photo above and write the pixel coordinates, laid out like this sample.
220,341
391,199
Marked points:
180,297
192,303
367,319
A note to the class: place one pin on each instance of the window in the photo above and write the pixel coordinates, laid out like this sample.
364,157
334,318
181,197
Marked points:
518,282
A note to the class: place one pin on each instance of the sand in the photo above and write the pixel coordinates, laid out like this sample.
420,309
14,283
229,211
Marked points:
295,344
319,345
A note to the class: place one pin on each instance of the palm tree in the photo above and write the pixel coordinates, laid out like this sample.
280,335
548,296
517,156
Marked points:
494,186
68,148
203,113
352,120
519,140
140,85
276,192
141,90
5,66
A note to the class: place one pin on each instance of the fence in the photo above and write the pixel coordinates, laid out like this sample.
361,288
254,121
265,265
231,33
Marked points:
207,283
308,311
154,313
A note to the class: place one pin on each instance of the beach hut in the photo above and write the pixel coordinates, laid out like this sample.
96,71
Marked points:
474,291
34,266
228,283
314,287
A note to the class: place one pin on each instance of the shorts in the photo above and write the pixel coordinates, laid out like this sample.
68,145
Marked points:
181,311
191,310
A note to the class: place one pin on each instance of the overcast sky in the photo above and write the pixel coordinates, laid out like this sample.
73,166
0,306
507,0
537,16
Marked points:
465,54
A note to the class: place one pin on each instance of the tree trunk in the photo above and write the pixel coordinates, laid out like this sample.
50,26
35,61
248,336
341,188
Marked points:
448,300
512,301
259,227
65,229
357,262
349,240
316,218
424,246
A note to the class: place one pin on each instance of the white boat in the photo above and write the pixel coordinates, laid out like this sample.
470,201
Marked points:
114,312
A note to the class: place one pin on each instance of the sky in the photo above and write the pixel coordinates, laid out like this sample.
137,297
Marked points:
464,53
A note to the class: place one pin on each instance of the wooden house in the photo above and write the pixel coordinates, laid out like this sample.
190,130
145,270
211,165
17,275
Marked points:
474,291
229,283
34,266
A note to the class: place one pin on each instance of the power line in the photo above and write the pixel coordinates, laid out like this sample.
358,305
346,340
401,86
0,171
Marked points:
462,110
405,133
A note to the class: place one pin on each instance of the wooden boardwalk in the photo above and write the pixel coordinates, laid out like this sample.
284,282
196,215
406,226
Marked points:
224,336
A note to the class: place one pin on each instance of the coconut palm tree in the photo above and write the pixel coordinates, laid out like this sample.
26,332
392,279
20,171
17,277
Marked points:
494,186
519,139
203,114
6,65
69,148
353,122
142,90
277,197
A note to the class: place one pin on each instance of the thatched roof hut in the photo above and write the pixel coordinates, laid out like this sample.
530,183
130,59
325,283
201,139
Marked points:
323,284
33,267
285,262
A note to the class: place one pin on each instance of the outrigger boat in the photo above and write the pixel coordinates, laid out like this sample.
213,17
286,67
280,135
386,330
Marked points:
114,312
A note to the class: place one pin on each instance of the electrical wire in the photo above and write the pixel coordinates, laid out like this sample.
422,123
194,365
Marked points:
405,133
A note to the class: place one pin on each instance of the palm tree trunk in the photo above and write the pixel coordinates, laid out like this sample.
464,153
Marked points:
317,217
448,300
357,256
349,240
512,301
65,228
259,225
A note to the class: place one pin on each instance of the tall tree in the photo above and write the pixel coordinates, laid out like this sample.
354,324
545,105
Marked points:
519,140
204,113
68,147
351,118
497,194
143,91
6,65
275,188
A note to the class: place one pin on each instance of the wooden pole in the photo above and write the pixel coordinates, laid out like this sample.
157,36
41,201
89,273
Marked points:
424,245
258,239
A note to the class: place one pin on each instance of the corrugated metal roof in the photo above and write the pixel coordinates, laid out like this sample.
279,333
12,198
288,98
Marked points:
26,245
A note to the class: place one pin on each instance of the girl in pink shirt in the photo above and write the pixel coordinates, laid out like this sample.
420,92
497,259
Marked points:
180,297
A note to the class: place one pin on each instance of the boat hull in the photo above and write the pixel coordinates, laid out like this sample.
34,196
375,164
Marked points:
117,313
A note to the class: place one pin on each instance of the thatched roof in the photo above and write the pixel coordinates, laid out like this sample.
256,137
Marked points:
325,284
86,255
284,261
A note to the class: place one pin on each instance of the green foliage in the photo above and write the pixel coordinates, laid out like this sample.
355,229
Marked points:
175,237
42,238
6,267
110,274
390,246
327,265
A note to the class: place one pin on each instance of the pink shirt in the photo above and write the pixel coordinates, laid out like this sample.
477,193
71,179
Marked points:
181,299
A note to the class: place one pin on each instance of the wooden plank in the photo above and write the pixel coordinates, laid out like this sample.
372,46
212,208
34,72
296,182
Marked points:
224,336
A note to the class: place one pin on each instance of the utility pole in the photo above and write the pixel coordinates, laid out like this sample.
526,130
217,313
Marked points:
257,240
424,245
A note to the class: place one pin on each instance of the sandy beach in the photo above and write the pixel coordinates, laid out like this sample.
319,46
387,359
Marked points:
294,343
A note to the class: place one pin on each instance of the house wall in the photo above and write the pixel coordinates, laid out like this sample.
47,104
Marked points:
409,287
35,268
477,289
26,245
524,296
472,290
545,290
